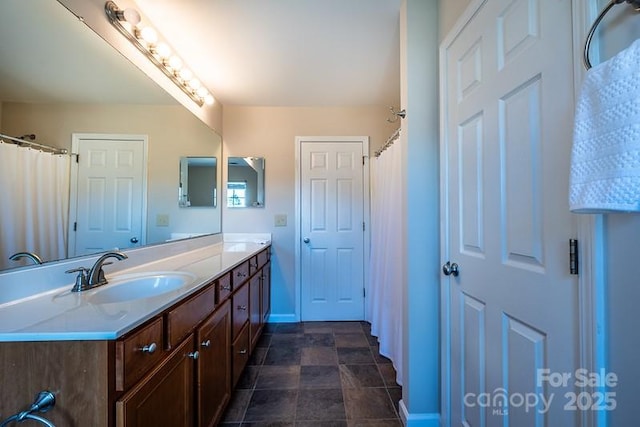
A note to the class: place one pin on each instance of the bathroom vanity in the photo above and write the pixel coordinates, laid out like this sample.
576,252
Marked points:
167,359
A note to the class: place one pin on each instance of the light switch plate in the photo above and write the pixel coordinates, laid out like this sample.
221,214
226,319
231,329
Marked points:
280,220
162,220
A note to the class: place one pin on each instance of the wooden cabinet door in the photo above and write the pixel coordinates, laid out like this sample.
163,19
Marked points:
255,315
214,366
266,292
164,398
240,309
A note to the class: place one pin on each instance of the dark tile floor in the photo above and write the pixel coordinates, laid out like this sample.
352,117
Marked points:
316,374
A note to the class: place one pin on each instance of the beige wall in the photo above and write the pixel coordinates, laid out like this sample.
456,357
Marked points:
172,132
449,12
270,132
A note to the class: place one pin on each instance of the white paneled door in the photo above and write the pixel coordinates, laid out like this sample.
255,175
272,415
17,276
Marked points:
332,230
511,313
108,193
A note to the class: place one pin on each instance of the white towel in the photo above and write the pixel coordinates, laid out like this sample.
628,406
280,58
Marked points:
605,160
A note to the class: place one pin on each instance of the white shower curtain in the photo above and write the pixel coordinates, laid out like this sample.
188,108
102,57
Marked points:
386,278
35,208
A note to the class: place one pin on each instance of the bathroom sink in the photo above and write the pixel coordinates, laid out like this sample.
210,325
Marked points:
128,287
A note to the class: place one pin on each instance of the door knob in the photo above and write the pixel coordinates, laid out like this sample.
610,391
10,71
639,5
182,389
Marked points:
134,240
450,269
306,240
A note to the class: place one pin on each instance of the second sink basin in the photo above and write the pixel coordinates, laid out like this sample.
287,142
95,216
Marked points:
127,287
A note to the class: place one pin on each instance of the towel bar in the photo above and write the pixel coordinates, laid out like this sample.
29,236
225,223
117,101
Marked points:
585,55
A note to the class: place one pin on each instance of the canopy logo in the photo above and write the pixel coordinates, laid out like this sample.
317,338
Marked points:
500,401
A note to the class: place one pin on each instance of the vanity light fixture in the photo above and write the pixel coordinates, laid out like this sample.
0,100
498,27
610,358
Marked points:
147,41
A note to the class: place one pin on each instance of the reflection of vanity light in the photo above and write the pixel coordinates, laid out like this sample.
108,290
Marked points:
146,40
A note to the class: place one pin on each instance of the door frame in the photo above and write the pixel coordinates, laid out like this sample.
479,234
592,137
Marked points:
589,231
299,140
76,140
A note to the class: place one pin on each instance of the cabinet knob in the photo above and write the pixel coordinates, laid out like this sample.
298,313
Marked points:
242,307
226,287
193,355
150,348
241,274
243,351
206,343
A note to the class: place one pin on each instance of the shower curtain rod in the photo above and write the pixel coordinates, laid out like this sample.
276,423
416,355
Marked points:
389,142
22,142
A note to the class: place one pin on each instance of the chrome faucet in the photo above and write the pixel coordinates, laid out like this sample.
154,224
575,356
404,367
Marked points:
94,277
30,255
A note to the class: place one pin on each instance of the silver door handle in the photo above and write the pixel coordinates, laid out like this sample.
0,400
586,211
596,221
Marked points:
450,269
306,240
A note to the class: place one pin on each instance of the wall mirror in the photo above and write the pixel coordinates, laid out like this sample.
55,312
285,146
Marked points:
198,179
245,182
60,78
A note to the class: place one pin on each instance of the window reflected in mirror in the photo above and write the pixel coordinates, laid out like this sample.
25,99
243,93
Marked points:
245,182
197,186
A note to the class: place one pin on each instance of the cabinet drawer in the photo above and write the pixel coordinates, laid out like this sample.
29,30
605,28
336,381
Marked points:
263,258
164,397
240,353
224,287
137,354
240,274
240,309
182,319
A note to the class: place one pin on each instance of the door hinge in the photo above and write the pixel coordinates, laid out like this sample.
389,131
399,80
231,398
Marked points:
363,226
364,293
573,256
363,159
77,158
75,226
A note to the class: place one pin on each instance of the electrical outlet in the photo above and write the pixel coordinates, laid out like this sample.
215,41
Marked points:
162,220
280,220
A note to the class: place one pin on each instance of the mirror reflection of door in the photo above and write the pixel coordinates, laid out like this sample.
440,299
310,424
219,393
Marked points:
245,182
108,205
197,182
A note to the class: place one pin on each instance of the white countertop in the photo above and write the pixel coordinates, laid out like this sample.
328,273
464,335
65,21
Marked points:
59,314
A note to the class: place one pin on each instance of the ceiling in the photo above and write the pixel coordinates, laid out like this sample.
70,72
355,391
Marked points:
286,52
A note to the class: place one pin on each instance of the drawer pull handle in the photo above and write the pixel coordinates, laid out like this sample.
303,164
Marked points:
226,287
243,351
150,348
241,274
193,355
242,307
206,343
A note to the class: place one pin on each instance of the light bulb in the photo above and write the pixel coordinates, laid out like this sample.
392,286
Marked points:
194,84
186,74
209,100
202,92
163,50
149,36
131,16
175,63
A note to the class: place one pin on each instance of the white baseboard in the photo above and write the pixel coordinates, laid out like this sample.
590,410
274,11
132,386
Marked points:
418,420
283,318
